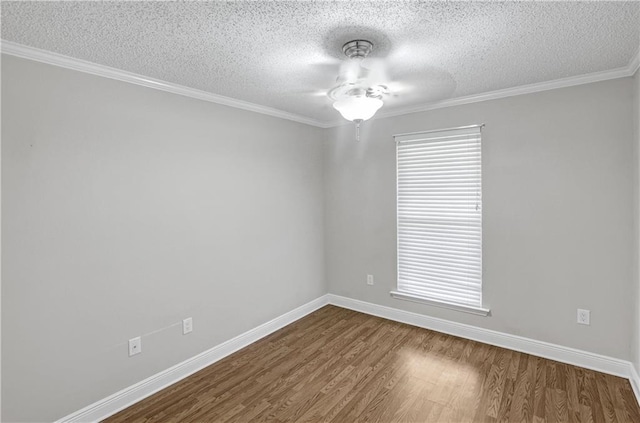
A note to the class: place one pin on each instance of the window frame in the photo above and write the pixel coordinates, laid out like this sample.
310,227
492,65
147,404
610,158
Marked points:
414,297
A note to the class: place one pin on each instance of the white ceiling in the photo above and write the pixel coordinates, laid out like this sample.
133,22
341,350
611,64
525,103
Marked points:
285,55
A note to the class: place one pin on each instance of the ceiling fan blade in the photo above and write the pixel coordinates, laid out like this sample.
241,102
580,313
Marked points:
433,85
307,93
349,71
376,71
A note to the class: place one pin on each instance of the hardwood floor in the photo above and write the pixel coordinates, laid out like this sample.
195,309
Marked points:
337,365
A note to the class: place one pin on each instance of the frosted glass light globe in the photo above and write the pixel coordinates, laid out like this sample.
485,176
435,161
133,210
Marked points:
358,107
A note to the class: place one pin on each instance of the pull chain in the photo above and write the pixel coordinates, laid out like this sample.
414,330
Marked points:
358,122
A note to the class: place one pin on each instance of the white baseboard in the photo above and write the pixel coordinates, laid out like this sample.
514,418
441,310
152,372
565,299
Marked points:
559,353
108,406
120,400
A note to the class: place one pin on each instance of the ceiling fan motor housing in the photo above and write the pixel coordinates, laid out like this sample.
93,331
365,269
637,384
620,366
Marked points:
357,49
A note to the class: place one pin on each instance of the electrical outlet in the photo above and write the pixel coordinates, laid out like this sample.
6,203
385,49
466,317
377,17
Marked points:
584,316
187,325
135,346
369,279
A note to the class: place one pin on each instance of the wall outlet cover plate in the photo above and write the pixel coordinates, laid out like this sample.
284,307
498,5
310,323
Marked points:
584,317
135,346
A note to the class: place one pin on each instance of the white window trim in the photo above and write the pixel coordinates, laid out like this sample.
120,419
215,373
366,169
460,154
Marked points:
409,296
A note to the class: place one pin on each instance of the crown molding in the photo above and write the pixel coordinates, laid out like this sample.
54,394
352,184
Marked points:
32,53
522,89
634,64
629,70
48,57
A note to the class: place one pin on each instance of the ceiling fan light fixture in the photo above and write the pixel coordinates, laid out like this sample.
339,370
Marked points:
359,107
355,97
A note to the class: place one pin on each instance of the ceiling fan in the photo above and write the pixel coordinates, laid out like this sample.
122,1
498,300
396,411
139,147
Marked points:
361,84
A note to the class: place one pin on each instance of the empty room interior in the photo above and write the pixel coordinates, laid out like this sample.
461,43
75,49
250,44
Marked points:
319,211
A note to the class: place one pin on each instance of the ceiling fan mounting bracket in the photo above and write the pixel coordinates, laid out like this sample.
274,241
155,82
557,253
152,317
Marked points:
357,49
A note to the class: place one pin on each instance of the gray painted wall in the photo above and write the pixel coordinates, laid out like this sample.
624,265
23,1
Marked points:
127,209
636,220
557,184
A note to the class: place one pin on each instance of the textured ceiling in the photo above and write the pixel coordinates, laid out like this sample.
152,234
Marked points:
286,55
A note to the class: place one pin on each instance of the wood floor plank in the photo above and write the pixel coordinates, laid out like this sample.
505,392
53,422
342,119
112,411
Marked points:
522,403
597,409
338,365
573,402
539,390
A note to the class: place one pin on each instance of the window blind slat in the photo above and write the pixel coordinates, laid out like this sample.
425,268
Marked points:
442,296
439,145
436,169
444,276
437,256
466,154
454,236
461,294
441,159
439,209
444,291
460,255
432,286
415,264
436,164
460,252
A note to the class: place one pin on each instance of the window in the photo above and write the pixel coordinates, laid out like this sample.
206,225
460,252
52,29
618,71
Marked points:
439,204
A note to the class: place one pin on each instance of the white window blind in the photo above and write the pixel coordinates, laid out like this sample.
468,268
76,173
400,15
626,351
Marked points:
440,216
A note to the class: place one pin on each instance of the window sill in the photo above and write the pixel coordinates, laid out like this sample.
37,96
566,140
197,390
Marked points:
423,300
